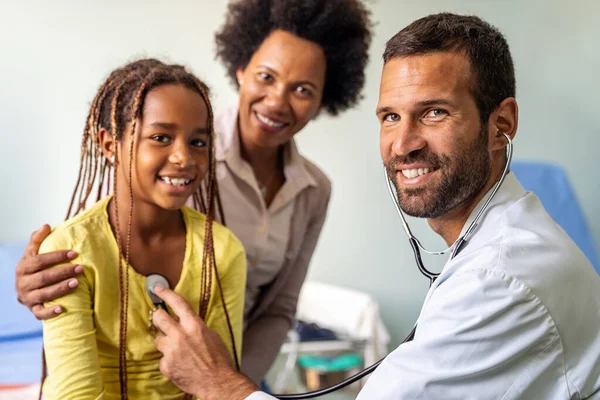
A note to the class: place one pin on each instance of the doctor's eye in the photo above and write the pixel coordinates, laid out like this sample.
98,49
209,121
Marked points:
436,114
391,117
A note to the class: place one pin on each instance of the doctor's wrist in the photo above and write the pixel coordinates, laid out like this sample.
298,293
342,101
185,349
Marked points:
229,385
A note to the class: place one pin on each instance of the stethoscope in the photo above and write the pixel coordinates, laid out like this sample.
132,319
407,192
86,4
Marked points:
152,281
456,247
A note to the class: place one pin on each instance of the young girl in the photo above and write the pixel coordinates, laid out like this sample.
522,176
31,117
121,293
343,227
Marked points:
150,129
291,61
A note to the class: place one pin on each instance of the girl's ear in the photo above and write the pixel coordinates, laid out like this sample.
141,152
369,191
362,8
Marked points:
108,144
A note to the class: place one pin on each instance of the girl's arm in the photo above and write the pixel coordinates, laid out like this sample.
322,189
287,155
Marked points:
70,339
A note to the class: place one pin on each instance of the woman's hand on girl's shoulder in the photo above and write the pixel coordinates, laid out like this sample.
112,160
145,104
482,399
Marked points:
37,283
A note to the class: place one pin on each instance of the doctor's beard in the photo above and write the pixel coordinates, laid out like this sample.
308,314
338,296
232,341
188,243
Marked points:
464,174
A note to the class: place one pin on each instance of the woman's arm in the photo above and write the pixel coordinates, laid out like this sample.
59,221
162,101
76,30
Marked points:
70,341
265,335
44,277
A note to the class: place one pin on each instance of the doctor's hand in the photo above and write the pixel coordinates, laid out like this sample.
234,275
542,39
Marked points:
35,284
194,357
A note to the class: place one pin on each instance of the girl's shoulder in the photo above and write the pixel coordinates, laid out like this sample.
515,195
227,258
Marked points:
78,229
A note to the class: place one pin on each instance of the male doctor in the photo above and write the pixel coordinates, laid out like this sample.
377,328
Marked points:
516,314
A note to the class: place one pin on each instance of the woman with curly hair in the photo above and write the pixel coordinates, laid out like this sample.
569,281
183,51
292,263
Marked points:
290,60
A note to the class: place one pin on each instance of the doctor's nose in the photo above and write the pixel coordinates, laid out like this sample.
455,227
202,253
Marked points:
407,139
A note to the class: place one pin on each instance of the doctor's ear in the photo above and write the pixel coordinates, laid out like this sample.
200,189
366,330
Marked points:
504,119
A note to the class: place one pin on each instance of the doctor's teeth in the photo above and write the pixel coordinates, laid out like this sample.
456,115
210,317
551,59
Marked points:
413,173
269,121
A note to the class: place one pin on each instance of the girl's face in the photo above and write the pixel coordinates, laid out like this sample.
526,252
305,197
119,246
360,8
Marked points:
281,89
171,150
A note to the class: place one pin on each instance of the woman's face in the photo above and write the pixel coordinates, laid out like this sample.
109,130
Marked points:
280,89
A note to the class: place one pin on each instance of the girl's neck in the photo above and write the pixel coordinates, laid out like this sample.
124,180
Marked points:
150,224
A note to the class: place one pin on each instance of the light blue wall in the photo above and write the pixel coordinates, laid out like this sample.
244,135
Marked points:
55,54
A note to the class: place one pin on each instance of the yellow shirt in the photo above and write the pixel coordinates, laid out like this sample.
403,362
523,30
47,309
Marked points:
82,344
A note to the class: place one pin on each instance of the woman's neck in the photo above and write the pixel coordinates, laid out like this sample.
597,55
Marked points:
262,160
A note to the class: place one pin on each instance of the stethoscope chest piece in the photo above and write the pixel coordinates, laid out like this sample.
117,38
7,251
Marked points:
152,281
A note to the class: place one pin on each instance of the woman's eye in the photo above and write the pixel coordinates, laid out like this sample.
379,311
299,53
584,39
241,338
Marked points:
161,138
304,90
392,117
264,76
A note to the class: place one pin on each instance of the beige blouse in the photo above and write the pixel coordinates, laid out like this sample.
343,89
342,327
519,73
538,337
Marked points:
264,231
279,240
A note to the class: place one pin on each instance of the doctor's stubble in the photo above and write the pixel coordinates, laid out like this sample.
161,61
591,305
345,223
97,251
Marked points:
464,174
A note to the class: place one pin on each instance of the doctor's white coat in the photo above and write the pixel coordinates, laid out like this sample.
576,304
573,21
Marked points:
515,315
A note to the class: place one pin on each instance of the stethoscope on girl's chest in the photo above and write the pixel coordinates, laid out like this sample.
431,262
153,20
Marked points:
453,250
152,281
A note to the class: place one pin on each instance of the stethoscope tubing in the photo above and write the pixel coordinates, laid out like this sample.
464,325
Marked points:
416,246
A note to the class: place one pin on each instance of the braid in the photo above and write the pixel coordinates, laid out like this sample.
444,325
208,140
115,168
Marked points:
124,281
86,172
82,161
123,270
95,126
104,167
90,139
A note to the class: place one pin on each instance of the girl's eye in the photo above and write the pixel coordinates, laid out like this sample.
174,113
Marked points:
161,138
199,143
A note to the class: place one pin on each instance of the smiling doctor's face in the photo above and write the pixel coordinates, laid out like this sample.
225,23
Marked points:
432,143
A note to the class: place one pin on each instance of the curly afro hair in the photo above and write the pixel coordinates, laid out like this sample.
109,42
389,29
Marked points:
341,27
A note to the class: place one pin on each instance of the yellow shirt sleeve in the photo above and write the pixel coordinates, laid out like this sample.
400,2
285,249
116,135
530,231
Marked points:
231,264
70,338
